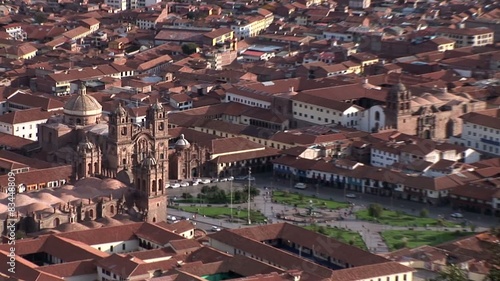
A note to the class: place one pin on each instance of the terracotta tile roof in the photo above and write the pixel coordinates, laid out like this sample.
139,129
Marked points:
46,104
70,269
322,101
184,245
370,271
207,255
122,265
477,190
469,246
24,116
41,176
267,152
25,270
105,234
13,142
237,144
219,125
488,118
284,259
154,253
203,139
178,227
156,234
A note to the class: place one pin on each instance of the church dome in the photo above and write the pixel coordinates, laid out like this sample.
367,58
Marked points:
82,104
182,143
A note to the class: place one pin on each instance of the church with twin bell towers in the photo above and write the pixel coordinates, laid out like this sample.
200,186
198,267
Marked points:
135,155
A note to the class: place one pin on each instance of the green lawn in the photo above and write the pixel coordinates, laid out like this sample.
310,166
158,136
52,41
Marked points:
346,236
401,219
223,212
395,239
293,199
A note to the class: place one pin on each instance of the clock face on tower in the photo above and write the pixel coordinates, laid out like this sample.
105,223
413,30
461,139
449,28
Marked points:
21,188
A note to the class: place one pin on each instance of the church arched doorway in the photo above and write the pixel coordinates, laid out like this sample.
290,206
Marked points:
427,134
56,222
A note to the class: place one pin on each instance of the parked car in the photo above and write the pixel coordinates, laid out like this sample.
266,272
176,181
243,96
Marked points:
184,184
457,215
244,178
175,185
215,228
194,183
167,185
300,185
214,180
230,178
223,180
350,195
205,181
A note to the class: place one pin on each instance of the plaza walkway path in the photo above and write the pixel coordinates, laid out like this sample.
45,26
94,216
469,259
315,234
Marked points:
369,232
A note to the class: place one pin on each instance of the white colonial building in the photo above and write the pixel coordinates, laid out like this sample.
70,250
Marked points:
480,131
322,111
23,123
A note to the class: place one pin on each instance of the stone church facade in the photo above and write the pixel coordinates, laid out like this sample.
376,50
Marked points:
136,155
429,116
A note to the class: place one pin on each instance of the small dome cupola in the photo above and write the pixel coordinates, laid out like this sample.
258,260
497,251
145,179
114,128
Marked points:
148,162
157,106
182,143
120,110
85,145
399,88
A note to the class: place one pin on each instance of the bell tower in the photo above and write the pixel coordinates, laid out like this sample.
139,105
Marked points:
398,105
120,125
120,135
88,162
156,120
150,177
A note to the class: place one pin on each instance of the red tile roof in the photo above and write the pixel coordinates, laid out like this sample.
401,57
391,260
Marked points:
25,116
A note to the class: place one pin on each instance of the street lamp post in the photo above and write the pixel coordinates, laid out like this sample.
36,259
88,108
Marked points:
249,182
231,196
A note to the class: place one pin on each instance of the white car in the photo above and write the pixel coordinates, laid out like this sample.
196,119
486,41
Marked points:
301,185
175,185
223,180
205,181
214,180
167,185
457,215
195,183
230,178
350,195
184,184
215,228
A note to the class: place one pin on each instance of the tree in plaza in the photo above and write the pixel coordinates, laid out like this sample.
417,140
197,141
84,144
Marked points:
375,210
473,227
424,213
322,230
452,273
301,197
